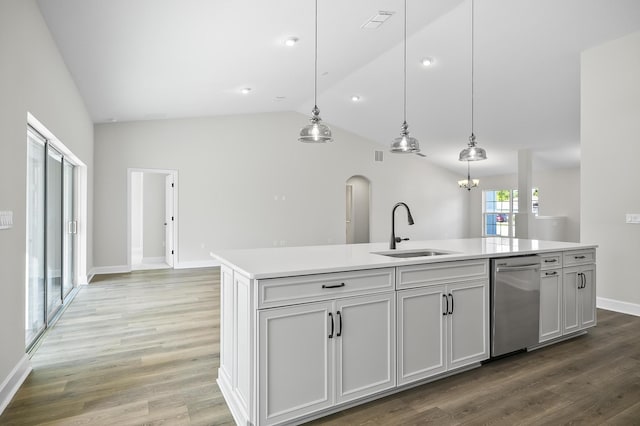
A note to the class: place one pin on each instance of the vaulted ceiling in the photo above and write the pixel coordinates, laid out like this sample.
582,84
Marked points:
157,59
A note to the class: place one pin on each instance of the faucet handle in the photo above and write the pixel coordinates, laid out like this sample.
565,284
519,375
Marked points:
398,239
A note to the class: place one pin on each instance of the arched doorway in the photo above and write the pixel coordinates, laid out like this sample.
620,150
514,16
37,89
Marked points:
358,198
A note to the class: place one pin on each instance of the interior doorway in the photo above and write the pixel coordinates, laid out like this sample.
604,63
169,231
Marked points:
152,218
358,200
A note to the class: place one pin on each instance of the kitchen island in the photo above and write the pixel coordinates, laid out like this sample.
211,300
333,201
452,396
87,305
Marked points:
308,331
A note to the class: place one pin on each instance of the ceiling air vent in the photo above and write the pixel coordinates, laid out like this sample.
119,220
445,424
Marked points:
378,156
376,20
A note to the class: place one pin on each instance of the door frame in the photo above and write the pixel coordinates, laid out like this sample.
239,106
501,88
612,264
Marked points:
174,223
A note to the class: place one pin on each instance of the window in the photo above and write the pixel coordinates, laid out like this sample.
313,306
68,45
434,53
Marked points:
498,211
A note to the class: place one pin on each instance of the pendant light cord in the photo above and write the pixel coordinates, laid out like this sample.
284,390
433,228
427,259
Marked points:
405,63
315,72
472,57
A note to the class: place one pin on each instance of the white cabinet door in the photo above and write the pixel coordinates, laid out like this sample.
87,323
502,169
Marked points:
550,304
421,333
295,361
365,346
468,334
579,283
587,294
571,312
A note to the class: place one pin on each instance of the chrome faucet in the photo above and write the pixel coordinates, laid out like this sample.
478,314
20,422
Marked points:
394,239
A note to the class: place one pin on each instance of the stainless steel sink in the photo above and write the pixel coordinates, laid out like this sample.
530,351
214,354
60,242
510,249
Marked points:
415,253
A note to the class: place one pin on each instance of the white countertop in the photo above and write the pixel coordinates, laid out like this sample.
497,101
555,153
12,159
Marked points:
290,261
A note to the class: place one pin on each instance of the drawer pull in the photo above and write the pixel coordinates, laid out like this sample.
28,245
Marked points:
579,257
551,273
339,324
446,311
333,285
550,260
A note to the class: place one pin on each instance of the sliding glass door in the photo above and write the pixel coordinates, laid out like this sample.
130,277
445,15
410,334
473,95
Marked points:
51,230
35,309
54,232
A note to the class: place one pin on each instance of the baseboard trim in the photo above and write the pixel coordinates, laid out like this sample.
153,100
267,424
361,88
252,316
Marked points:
116,269
618,306
197,264
12,383
156,259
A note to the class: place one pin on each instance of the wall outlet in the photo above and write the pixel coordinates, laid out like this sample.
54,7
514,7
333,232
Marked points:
633,217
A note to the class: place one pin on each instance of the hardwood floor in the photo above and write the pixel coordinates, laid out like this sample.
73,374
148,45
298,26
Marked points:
143,348
131,349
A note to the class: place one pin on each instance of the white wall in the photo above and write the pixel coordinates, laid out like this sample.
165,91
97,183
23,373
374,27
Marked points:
245,181
153,213
559,196
33,78
610,129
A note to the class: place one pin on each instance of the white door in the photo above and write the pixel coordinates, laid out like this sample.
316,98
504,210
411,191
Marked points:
295,361
365,346
421,333
550,304
468,333
570,283
169,220
587,295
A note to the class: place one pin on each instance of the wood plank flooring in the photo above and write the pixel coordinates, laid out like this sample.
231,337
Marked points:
143,349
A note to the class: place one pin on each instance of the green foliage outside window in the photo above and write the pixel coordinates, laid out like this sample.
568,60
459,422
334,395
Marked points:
503,195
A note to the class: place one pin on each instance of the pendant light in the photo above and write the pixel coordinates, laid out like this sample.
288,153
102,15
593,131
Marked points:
405,144
468,183
316,131
472,152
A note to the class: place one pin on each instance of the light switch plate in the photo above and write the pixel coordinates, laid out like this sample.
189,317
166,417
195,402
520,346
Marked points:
6,219
633,217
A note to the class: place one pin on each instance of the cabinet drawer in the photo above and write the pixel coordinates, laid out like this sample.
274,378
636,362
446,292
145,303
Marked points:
308,288
550,260
441,273
579,257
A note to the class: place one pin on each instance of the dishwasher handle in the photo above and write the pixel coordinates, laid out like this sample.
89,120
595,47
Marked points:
531,266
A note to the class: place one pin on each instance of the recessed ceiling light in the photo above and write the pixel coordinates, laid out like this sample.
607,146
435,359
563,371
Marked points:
427,62
245,91
279,98
355,98
291,41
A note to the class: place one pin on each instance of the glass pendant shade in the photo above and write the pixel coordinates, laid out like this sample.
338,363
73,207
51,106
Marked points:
405,144
473,152
316,131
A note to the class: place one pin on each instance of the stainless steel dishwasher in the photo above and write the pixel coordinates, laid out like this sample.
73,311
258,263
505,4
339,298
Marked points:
515,304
